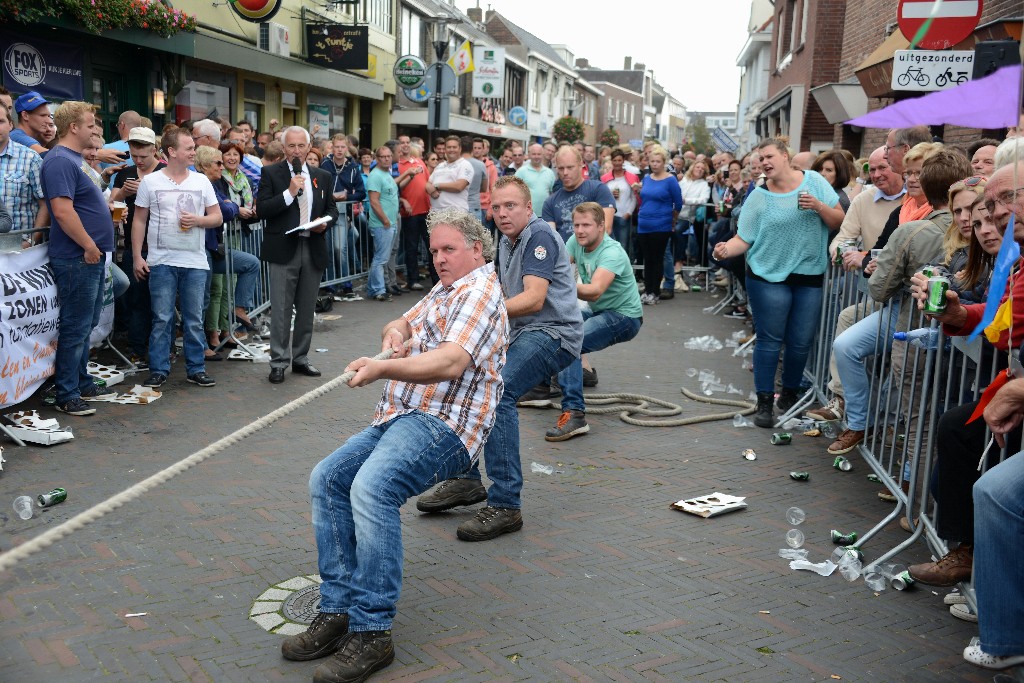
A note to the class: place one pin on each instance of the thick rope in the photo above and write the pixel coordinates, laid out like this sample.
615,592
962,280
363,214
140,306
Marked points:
643,407
51,536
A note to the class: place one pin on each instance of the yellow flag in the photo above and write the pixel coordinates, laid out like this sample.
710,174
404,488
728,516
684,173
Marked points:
1001,323
462,61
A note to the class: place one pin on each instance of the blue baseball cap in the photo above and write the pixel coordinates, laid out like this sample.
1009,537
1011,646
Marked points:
30,101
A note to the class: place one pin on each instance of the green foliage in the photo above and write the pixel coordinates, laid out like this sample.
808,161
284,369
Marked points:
98,16
568,129
700,137
610,138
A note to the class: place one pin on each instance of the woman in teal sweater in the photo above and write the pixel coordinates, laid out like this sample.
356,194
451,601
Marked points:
783,230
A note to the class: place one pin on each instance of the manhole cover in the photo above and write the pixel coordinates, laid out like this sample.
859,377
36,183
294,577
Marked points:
303,605
288,607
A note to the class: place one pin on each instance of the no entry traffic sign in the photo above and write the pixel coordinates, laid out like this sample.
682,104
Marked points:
954,20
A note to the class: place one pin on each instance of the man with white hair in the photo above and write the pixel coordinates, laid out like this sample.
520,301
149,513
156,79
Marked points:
292,194
206,133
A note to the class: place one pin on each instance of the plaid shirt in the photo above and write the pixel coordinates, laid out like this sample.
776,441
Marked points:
20,190
470,313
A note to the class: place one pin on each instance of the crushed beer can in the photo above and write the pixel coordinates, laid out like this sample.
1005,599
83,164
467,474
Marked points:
782,439
843,464
749,454
51,498
800,476
844,539
902,581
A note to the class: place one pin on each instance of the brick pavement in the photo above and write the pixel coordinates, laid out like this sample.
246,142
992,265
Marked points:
604,583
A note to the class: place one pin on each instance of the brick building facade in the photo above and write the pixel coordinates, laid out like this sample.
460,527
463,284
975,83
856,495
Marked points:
849,45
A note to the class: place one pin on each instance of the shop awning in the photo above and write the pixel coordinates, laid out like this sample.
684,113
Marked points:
875,72
212,49
841,101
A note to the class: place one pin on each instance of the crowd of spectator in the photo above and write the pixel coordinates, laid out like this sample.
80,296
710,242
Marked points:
769,225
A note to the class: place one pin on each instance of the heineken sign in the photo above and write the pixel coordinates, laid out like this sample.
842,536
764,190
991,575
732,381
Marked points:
410,71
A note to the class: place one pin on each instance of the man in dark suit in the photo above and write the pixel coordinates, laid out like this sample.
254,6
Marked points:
292,194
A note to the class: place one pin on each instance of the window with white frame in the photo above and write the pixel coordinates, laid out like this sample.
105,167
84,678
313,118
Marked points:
552,93
412,33
540,82
377,13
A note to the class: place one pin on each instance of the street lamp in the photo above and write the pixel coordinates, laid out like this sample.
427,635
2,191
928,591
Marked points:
444,26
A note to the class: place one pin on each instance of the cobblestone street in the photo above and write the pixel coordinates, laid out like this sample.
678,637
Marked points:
604,583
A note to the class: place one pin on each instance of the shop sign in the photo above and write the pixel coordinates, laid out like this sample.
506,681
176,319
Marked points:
517,116
338,47
488,71
54,70
319,121
410,71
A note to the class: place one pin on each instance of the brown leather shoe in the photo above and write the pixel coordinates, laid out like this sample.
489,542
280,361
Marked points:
951,569
830,412
846,441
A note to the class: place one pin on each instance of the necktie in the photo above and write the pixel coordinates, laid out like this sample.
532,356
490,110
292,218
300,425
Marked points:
303,208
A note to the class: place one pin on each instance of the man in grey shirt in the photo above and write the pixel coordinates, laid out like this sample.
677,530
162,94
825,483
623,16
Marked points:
546,336
479,183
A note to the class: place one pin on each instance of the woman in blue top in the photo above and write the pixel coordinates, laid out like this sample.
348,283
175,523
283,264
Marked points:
660,202
783,230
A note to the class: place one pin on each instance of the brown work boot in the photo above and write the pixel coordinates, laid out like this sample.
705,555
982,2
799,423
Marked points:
321,639
951,569
830,412
846,441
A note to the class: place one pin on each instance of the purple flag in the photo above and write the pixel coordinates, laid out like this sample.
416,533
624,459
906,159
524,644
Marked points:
989,102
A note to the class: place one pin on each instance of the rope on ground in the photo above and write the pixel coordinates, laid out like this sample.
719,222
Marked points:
44,540
643,407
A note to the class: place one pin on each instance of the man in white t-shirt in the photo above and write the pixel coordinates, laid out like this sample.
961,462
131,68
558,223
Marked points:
449,183
179,205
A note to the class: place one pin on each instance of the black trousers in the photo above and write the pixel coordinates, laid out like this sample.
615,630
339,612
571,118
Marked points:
652,246
959,447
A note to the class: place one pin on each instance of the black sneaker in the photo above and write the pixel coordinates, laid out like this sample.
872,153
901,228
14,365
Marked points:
667,294
382,297
490,523
201,379
98,394
76,406
590,377
571,423
155,380
452,493
764,417
360,654
322,638
538,397
140,362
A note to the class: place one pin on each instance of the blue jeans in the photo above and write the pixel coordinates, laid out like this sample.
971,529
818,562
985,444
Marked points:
247,268
849,350
998,579
532,358
382,238
782,314
356,494
620,233
600,330
80,288
189,285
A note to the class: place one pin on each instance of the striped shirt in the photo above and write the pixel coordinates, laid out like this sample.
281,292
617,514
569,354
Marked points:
470,313
20,189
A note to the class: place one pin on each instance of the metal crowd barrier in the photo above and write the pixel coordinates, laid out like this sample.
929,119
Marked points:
910,387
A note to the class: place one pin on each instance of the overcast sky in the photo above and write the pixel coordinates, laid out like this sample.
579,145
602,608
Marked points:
692,46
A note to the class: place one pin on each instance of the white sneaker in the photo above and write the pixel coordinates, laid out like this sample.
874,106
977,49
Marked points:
963,612
975,655
680,284
954,598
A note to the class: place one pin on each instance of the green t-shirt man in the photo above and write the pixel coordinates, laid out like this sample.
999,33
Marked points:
622,295
382,182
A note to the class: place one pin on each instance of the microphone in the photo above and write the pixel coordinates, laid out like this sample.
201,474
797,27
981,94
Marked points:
297,168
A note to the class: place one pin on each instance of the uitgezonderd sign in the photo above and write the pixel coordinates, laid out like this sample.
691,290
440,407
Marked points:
489,71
